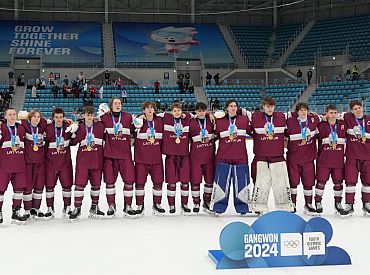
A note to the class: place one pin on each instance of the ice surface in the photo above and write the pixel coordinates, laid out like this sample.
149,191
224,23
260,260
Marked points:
152,245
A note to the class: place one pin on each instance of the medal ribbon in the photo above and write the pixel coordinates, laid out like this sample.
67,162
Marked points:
116,124
35,136
232,126
12,137
362,127
269,125
203,128
58,139
177,127
333,133
303,130
151,128
89,134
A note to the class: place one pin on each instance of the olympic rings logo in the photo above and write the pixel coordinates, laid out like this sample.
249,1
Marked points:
291,244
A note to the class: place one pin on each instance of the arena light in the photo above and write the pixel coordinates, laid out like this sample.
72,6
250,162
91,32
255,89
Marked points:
333,57
187,62
313,68
174,71
28,62
43,70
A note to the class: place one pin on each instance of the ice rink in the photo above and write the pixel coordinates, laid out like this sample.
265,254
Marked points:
173,244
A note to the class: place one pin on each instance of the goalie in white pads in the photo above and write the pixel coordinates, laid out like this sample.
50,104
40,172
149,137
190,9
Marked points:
269,168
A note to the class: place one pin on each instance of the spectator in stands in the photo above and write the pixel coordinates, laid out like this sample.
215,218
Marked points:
42,83
81,78
157,86
85,90
55,90
51,79
187,75
208,79
11,89
92,91
21,80
11,75
211,103
299,76
309,76
348,74
38,83
216,105
34,92
354,73
101,91
65,80
107,77
191,88
216,77
65,90
180,82
339,77
119,83
124,95
75,89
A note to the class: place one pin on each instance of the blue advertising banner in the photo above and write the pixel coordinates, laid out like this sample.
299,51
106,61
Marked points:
142,42
55,41
278,239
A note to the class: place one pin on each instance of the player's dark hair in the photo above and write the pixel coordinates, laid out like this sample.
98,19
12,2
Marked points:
269,100
111,102
88,110
231,101
354,103
33,112
147,104
57,110
331,107
200,106
301,105
8,109
176,105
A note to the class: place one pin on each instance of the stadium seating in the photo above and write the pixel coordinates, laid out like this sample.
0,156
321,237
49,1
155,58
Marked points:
135,96
283,33
339,93
253,41
332,36
249,96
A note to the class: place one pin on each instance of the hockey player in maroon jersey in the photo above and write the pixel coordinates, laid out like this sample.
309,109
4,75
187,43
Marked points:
269,169
117,156
148,158
357,157
58,162
330,162
176,148
302,152
89,162
12,163
34,147
202,156
231,161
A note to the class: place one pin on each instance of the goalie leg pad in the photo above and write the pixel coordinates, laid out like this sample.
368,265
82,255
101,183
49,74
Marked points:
261,188
221,188
240,177
280,186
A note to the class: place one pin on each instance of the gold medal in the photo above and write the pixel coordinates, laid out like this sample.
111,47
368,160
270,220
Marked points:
363,139
178,140
271,136
89,148
58,149
14,148
334,145
35,148
304,142
231,137
152,139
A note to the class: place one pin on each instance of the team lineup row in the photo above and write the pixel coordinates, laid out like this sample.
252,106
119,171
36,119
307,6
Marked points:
35,154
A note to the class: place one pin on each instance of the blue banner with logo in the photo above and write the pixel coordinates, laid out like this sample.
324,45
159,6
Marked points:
278,239
54,41
156,42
